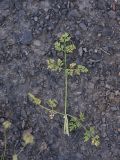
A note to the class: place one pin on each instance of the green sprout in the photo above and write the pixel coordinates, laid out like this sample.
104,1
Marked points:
65,46
27,136
28,139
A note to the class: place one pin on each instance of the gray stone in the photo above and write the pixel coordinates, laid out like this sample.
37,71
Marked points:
117,93
74,13
2,19
100,4
107,31
61,157
25,37
77,34
107,86
45,5
99,34
79,156
11,39
114,108
2,120
35,19
90,87
18,4
112,14
103,120
37,43
43,146
85,50
103,129
96,50
3,33
83,26
4,4
106,154
23,156
80,50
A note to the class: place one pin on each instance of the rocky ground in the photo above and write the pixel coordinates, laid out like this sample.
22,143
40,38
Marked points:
28,29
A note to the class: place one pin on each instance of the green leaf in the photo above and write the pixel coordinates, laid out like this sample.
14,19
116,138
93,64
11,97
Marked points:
82,117
96,141
75,69
58,46
70,48
72,65
35,100
89,133
76,123
64,44
70,72
92,131
86,136
55,65
65,38
82,69
52,103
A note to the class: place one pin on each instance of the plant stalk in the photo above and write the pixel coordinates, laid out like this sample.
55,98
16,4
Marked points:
65,111
66,128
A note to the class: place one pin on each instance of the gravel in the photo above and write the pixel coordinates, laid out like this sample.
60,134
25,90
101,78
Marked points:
28,30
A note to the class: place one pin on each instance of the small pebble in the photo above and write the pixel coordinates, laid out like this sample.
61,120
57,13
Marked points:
80,50
35,19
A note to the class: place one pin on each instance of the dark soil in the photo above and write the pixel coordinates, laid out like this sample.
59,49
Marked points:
28,29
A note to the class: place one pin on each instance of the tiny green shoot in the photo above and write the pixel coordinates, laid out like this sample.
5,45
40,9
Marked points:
65,46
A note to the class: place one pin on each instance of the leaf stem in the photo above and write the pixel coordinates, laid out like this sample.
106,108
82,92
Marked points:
63,114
